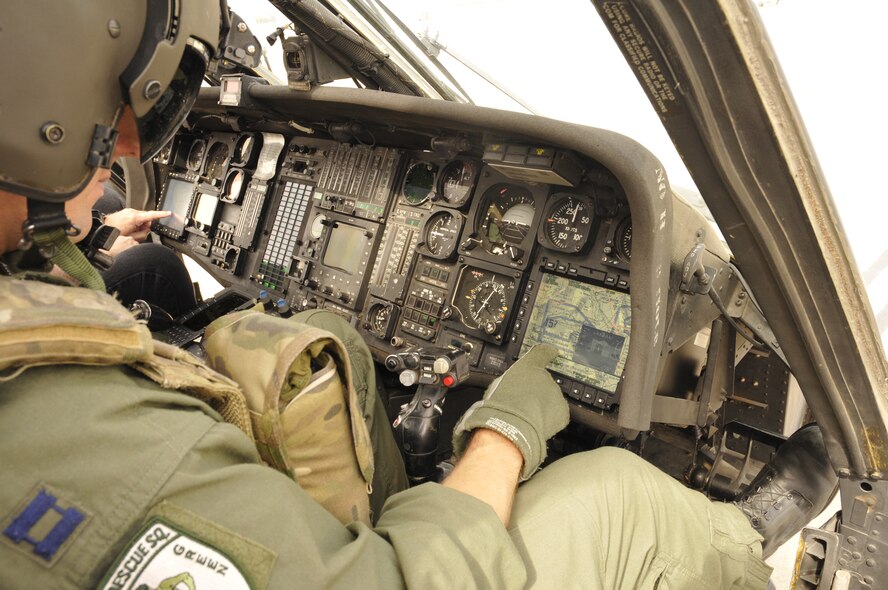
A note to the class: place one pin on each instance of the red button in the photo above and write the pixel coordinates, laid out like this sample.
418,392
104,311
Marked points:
448,380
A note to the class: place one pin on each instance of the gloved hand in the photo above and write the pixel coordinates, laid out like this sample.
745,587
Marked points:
524,404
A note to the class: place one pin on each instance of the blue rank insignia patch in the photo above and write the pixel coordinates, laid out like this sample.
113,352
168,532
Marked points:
43,525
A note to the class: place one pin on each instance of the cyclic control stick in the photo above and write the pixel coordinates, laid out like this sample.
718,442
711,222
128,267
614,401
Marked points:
435,370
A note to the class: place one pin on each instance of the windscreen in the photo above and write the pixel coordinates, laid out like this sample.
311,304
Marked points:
176,200
589,325
345,248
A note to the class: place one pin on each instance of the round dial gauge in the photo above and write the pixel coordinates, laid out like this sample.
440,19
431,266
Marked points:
568,223
317,226
378,318
419,184
216,161
623,240
441,233
243,149
196,154
506,216
233,186
457,181
483,299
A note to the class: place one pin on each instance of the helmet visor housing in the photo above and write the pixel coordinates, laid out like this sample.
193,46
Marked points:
162,121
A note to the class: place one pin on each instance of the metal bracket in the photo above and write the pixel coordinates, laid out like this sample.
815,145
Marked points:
102,147
717,383
863,530
816,560
241,46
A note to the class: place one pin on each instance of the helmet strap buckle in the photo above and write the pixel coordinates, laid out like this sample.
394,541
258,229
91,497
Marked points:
43,217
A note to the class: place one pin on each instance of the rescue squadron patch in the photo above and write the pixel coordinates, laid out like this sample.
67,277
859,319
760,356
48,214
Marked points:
162,557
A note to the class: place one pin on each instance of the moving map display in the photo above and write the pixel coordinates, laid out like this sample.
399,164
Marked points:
589,326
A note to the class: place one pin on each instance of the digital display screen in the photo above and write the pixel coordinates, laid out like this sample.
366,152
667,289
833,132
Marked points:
589,325
205,210
176,200
345,248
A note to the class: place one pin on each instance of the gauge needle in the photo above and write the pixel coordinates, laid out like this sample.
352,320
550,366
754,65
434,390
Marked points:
487,300
574,218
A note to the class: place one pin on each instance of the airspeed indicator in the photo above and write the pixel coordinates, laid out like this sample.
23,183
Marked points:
568,223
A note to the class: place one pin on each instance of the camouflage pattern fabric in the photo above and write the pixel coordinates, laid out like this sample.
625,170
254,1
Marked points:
42,324
305,412
48,324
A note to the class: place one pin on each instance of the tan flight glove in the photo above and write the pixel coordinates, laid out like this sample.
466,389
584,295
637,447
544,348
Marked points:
524,404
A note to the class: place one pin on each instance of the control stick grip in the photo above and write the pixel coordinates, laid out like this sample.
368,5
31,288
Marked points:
434,370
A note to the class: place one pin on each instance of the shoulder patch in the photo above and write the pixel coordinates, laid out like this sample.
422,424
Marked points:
178,549
44,525
163,557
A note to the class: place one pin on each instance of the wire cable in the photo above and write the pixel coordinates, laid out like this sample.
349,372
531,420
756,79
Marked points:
740,330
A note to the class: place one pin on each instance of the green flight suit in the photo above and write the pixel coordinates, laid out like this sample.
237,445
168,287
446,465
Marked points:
130,463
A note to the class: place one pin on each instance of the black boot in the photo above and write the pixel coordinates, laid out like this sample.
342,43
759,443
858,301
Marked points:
791,490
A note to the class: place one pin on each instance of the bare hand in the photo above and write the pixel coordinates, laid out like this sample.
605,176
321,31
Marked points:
134,223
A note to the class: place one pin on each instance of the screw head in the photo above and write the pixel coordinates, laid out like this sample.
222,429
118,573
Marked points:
251,49
114,28
52,132
242,27
153,89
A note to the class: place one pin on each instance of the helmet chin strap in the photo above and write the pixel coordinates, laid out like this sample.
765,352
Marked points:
48,229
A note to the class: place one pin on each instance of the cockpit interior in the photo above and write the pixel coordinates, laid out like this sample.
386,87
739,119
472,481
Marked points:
455,227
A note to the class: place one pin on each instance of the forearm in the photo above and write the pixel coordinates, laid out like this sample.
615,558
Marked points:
489,471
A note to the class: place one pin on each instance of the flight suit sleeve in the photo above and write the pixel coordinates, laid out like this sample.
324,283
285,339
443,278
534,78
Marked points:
426,537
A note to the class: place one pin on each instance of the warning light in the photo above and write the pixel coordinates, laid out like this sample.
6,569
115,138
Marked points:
448,380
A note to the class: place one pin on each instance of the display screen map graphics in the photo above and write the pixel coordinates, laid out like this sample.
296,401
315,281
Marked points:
589,326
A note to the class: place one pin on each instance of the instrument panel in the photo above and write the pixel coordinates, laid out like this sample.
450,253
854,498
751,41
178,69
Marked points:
492,250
